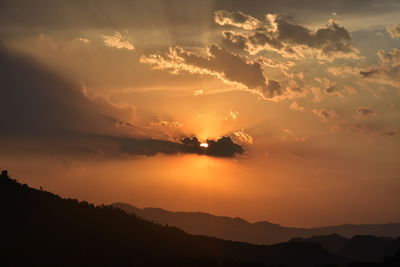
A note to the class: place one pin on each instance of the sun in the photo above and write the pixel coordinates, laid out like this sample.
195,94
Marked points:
205,145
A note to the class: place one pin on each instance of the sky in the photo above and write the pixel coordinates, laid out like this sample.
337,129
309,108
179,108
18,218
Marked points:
297,101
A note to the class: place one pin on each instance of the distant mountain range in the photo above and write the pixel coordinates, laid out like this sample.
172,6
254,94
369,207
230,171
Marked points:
365,248
238,229
38,228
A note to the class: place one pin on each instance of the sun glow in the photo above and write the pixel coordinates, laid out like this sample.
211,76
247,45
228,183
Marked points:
205,145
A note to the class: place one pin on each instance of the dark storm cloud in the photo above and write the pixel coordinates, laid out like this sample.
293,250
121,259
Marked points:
45,111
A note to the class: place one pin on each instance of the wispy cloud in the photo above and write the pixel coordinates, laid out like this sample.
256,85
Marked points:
325,115
117,40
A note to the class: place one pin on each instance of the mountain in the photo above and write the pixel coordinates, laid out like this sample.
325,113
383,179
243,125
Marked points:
364,248
38,228
369,248
257,233
332,243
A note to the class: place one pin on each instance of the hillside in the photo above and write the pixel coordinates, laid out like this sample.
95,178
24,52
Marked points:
39,228
365,248
257,233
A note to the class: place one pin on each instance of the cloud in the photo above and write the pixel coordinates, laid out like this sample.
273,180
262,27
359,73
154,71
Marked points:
391,58
198,92
365,112
365,128
325,115
222,147
243,137
388,68
234,114
277,33
333,89
289,136
37,101
389,133
116,40
58,116
83,40
394,31
296,106
236,18
369,73
228,67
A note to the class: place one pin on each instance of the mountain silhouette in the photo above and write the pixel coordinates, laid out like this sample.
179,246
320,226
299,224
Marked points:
362,248
257,233
369,248
39,228
333,243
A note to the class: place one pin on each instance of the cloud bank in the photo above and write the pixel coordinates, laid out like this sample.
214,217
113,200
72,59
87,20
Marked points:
229,67
42,111
278,33
222,147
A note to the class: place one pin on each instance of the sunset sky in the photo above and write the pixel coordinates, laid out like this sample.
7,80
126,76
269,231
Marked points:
96,97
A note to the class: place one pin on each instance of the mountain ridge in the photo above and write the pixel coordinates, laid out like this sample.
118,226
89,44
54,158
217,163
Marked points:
39,228
262,232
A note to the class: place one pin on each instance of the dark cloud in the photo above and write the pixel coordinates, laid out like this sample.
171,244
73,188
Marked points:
41,110
222,147
365,111
279,33
234,41
37,101
273,88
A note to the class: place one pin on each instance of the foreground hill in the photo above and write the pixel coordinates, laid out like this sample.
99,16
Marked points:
257,233
42,229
